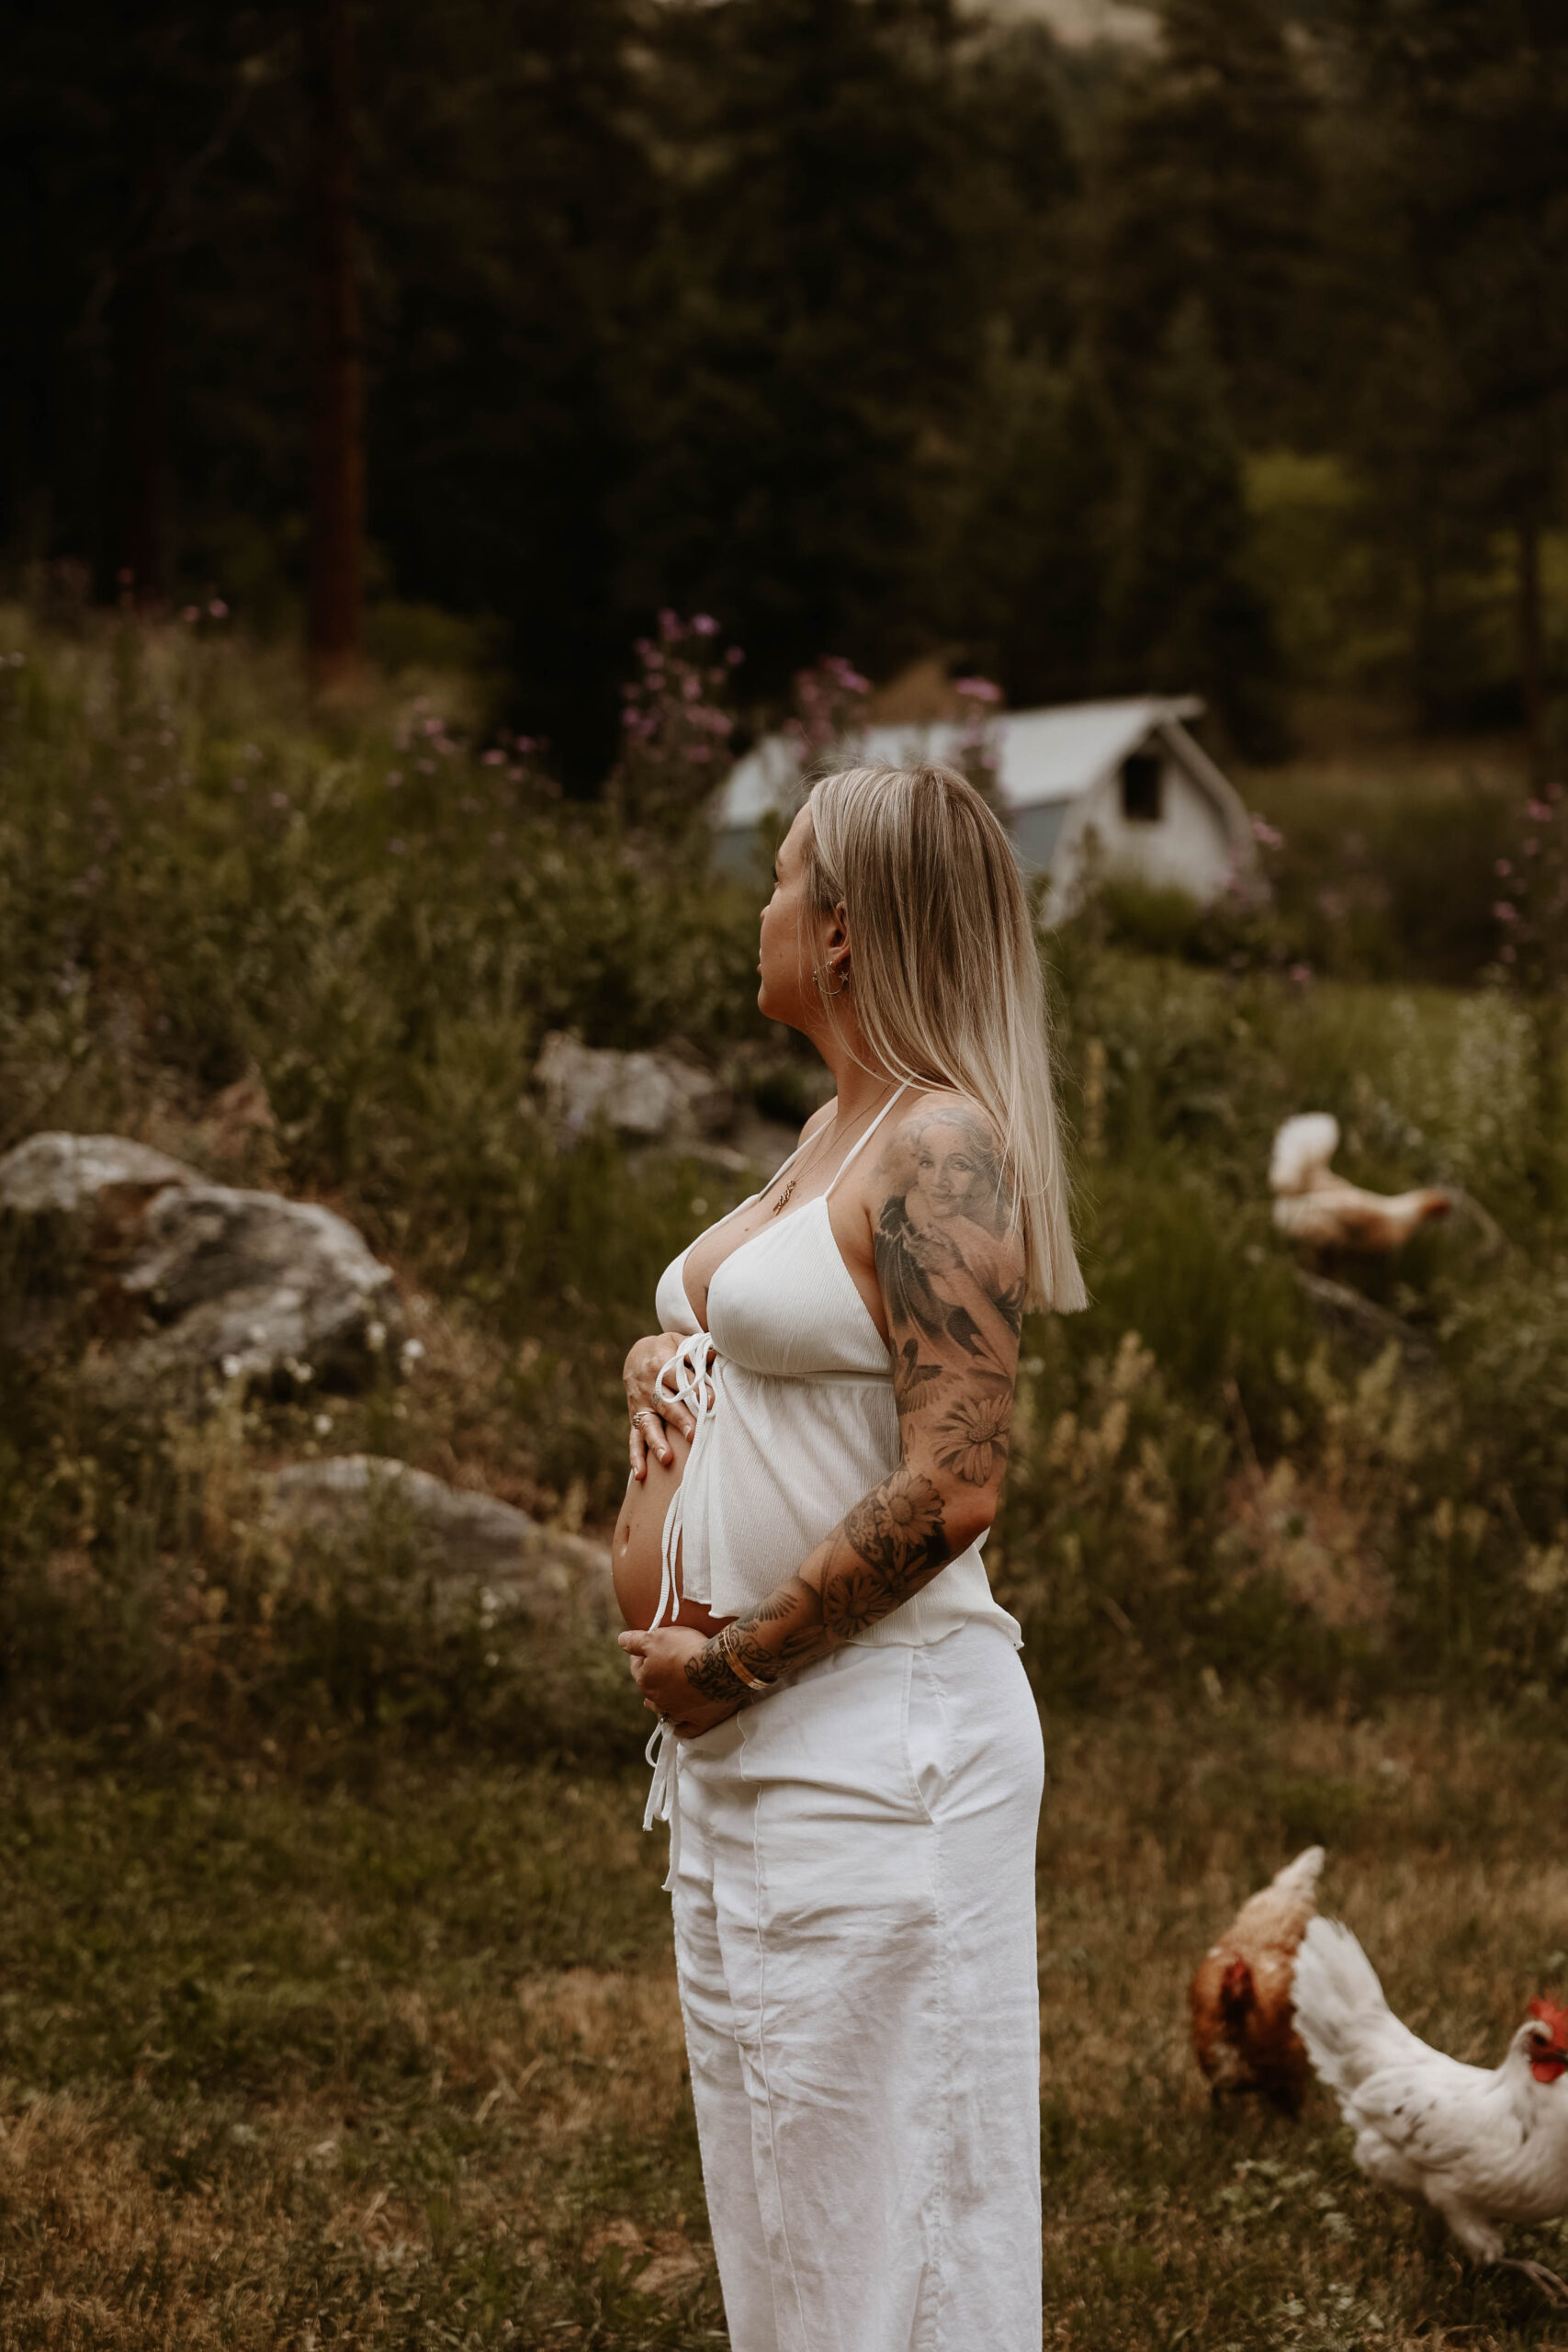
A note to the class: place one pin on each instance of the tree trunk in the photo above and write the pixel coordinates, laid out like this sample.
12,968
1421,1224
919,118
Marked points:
336,392
1532,664
1427,666
138,421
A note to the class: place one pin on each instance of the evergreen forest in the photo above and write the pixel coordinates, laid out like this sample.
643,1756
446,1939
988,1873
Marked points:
1232,360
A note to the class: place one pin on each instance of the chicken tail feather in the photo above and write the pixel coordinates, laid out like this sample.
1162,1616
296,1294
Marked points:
1341,2014
1303,1150
1299,1878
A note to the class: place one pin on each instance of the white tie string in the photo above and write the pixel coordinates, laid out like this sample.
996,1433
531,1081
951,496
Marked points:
687,1379
663,1796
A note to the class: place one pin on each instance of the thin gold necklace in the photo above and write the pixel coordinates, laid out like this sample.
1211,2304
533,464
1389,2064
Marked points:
783,1201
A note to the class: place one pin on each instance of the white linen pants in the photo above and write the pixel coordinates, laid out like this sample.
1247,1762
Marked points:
854,1883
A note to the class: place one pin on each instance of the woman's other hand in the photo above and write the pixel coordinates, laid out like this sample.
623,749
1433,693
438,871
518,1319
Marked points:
657,1661
649,1406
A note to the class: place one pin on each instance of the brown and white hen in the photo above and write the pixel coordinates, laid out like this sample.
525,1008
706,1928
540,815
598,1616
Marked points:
1241,1996
1314,1206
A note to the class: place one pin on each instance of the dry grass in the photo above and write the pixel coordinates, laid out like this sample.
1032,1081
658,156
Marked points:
399,2062
287,2067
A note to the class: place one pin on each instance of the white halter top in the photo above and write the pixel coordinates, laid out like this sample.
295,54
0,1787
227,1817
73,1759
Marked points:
791,1388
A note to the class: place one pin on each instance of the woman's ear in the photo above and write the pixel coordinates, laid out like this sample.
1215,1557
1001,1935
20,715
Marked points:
836,949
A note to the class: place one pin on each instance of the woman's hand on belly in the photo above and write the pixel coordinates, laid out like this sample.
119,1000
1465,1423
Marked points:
650,1408
658,1662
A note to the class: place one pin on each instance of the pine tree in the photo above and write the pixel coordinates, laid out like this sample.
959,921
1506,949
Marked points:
119,131
1024,180
812,347
1031,575
1206,191
1185,611
509,203
1471,101
336,586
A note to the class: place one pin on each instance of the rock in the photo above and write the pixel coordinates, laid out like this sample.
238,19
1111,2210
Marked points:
245,1283
646,1097
258,1287
477,1531
59,1175
536,1569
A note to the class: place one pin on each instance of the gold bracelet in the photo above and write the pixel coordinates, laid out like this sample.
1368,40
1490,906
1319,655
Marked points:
753,1681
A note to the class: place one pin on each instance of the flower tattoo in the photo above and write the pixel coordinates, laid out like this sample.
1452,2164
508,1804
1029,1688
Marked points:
973,1434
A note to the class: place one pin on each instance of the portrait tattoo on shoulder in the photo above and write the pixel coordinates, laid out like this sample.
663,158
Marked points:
950,1260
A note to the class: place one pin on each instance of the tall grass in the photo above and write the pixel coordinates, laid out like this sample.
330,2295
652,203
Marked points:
374,916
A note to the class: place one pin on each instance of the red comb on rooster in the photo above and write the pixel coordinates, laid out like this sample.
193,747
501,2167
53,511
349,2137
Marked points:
1549,2056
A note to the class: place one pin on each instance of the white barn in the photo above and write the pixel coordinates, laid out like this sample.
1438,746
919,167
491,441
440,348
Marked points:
1121,783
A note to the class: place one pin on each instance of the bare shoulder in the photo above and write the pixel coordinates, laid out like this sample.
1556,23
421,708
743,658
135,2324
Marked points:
943,1106
949,1251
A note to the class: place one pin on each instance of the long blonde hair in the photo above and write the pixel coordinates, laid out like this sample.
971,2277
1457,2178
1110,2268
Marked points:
946,973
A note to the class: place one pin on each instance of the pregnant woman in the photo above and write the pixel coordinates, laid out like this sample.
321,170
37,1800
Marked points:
849,1755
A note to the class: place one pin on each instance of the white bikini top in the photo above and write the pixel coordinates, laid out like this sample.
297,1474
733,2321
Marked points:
783,1305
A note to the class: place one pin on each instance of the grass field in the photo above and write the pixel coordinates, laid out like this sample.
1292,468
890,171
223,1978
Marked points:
336,1999
390,2056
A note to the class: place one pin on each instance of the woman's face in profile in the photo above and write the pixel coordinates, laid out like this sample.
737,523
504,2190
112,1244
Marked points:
787,992
947,1173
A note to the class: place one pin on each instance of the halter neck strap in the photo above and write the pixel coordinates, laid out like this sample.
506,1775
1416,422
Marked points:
855,1150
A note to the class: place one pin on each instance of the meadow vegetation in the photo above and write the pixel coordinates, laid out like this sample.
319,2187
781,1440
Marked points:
389,2052
335,2001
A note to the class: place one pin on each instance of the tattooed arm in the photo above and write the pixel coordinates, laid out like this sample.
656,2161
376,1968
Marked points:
949,1265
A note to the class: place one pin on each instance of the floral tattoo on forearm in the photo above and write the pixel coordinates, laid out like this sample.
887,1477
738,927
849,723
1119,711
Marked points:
890,1544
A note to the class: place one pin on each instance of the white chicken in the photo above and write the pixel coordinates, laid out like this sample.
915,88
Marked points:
1316,1207
1481,2148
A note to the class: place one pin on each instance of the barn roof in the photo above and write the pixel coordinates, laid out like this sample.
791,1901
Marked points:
1042,755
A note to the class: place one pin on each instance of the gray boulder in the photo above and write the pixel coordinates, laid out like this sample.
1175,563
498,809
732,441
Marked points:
59,1175
532,1569
644,1097
258,1287
247,1285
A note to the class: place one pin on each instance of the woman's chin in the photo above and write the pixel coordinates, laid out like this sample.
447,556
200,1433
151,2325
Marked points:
774,1006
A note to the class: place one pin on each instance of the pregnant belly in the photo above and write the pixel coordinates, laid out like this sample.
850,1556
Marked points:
639,1536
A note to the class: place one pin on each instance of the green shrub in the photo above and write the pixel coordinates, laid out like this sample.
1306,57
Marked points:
201,880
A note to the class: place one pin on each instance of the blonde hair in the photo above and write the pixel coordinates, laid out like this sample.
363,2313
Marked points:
947,981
